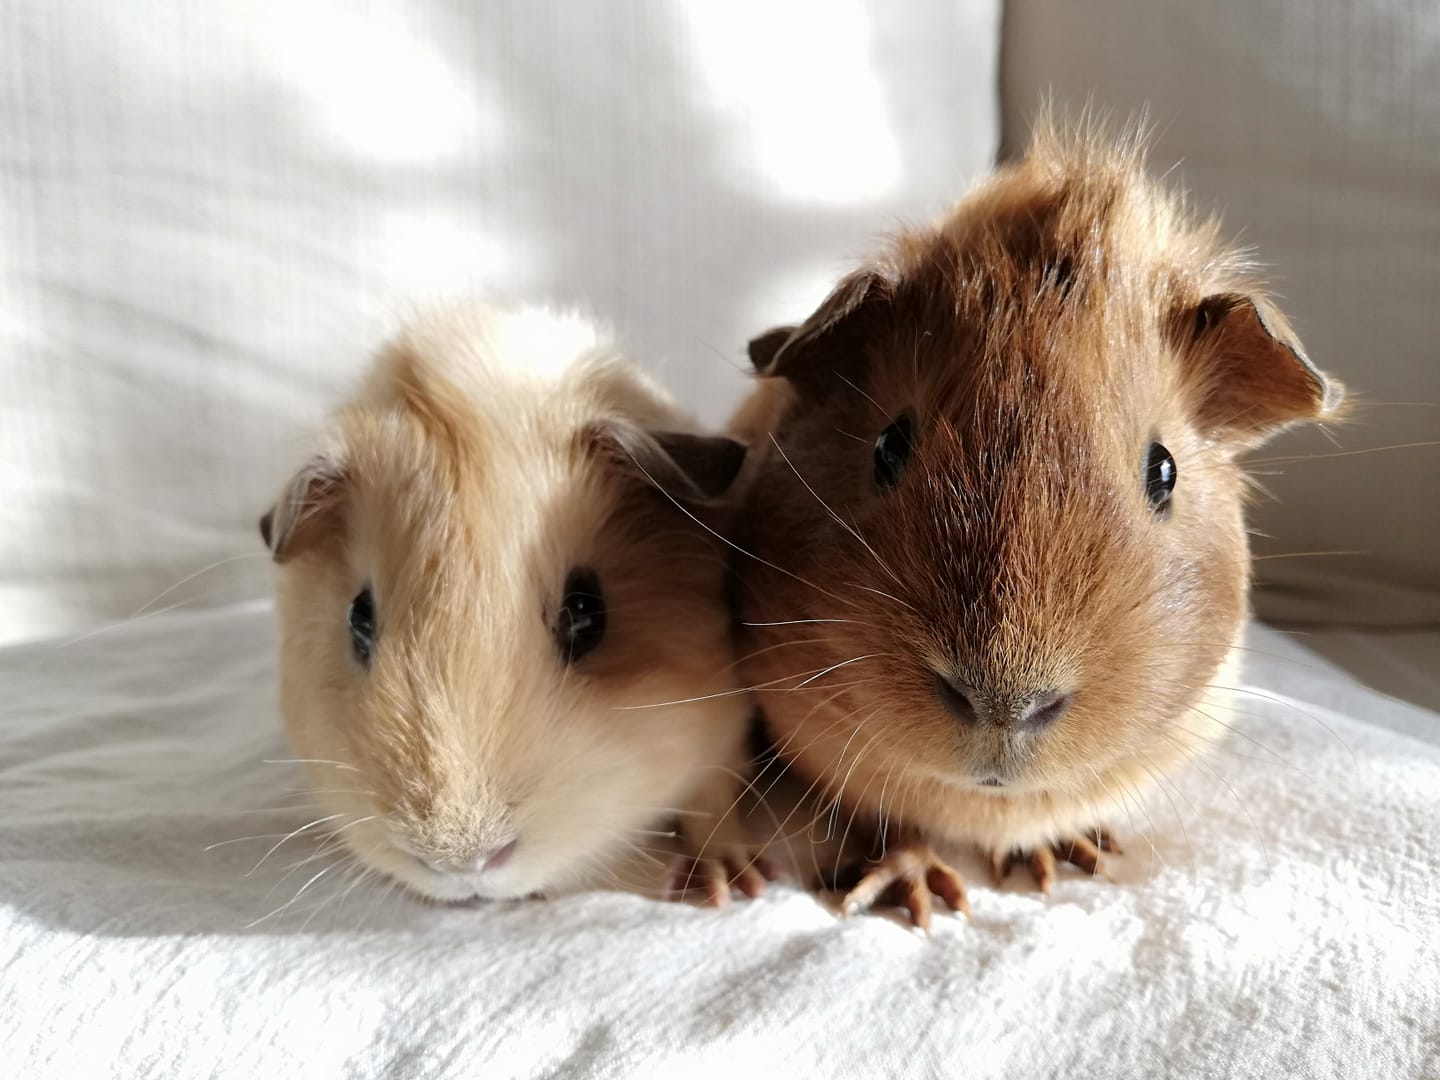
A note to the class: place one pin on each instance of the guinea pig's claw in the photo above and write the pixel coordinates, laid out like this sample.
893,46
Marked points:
907,876
710,878
1078,851
690,878
1105,840
1083,852
1002,862
1042,868
750,879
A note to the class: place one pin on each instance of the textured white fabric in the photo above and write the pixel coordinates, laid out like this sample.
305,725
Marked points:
1276,914
210,212
1314,127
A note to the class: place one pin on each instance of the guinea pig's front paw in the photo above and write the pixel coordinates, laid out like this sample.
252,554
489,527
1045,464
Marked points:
710,877
906,875
1080,851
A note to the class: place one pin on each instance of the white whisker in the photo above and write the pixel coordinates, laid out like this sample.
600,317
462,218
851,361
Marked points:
297,832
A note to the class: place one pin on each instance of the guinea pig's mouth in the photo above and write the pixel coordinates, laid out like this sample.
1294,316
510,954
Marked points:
459,893
988,781
993,784
462,886
500,875
991,779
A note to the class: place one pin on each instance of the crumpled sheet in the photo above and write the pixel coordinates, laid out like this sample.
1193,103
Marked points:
1276,914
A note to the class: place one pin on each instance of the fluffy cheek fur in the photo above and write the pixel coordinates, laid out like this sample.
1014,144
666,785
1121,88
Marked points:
491,461
429,753
583,781
612,790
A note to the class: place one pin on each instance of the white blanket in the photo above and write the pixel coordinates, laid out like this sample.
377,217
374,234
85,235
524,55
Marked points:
1276,914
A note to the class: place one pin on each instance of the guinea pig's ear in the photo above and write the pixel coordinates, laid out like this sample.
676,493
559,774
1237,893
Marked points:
762,349
306,510
692,468
838,321
1253,375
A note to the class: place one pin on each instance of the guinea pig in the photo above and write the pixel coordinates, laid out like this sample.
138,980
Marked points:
503,619
995,560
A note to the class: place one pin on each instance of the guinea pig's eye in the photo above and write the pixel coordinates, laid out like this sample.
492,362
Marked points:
362,626
580,625
892,451
1159,477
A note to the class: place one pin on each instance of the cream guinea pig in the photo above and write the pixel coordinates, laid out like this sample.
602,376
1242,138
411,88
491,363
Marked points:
997,561
502,615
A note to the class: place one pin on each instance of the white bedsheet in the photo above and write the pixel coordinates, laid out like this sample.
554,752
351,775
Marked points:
1276,915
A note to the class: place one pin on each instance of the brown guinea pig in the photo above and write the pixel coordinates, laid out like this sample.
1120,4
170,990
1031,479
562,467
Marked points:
997,556
504,647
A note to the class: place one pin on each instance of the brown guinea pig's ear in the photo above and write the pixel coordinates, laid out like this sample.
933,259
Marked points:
838,320
307,510
1253,374
762,349
692,468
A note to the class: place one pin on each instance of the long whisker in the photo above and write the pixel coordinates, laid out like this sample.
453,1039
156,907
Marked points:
726,540
241,840
300,892
862,393
836,667
801,622
1279,700
838,520
1289,459
191,577
769,685
880,592
1215,775
1237,732
297,832
309,761
855,803
1304,555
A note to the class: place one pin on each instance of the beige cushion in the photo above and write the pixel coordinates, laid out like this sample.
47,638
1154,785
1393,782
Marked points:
1314,125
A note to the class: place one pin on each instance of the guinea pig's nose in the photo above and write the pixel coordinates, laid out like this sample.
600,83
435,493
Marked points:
1044,709
496,857
956,700
490,859
1033,712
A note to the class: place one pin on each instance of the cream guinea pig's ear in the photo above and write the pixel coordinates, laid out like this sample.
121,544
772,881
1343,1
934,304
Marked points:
839,321
689,467
1252,374
307,510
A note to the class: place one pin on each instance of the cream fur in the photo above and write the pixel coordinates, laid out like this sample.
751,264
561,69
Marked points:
464,489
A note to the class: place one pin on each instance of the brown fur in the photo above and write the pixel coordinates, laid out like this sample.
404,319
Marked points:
1063,316
462,485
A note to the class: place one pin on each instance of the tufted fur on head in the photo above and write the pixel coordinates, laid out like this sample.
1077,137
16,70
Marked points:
1009,641
488,457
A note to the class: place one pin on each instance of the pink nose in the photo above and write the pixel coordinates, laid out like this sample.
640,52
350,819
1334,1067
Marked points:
491,859
497,857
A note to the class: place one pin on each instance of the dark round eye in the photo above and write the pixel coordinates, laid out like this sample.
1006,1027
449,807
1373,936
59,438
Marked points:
1159,477
362,626
892,451
580,626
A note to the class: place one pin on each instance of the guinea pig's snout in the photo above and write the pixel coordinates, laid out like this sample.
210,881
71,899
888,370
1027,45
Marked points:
1026,710
489,858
